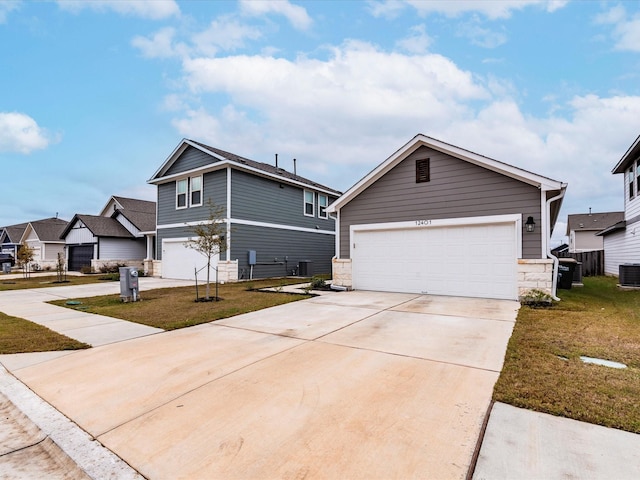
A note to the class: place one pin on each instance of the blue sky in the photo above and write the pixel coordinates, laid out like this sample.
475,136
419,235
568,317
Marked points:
96,95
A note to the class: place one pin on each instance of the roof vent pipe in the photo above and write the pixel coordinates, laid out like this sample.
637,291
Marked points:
276,160
294,166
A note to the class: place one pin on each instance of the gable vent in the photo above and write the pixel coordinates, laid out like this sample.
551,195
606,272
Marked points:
422,170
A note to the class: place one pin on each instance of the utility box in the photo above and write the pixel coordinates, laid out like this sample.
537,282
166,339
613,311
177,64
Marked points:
252,257
6,268
129,284
305,268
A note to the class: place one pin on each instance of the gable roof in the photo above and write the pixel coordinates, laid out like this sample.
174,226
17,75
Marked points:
47,230
99,226
420,140
224,159
142,213
592,221
14,232
633,153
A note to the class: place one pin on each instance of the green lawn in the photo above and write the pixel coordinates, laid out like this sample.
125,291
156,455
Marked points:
171,308
543,370
21,336
43,280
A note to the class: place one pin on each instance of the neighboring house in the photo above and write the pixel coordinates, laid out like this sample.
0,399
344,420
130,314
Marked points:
43,237
122,234
622,240
583,227
10,238
436,219
276,221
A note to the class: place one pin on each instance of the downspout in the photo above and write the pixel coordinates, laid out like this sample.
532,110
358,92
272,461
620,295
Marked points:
554,281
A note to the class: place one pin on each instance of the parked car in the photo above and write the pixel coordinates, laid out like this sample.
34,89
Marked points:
7,258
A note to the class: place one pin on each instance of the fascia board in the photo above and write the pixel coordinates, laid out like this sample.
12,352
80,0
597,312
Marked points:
524,176
27,230
182,146
622,164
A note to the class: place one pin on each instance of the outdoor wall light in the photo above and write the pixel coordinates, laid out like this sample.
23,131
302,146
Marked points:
530,225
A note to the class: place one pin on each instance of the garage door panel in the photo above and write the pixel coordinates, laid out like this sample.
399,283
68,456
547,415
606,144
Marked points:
469,260
181,262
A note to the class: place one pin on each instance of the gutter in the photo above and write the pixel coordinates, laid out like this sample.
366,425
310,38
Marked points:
554,281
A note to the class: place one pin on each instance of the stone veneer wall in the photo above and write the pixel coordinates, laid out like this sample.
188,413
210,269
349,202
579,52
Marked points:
341,272
228,271
535,274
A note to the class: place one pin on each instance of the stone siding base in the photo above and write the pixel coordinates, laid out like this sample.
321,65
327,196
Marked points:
341,272
96,265
535,274
228,271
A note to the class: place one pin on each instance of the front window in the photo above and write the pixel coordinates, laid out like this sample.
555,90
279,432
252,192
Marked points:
309,204
323,202
181,193
196,191
630,182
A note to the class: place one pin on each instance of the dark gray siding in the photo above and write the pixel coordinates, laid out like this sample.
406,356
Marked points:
456,189
191,158
272,245
264,200
215,188
179,232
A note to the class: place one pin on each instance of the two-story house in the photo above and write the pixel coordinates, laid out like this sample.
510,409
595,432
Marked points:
277,222
622,240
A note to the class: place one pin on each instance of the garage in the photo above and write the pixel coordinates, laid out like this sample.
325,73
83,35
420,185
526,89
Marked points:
180,262
437,258
80,256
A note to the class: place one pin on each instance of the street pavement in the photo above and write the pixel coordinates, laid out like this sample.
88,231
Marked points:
344,385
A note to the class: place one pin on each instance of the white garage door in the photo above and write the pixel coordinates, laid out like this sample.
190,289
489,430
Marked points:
180,261
462,260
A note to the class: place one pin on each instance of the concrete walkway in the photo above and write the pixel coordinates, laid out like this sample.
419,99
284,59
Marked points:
350,384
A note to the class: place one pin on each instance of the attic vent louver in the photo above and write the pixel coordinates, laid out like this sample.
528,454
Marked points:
422,170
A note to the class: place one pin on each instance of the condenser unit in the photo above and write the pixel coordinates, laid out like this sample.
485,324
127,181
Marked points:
629,274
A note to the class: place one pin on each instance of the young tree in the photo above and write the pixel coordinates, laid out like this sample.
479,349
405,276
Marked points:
210,239
24,258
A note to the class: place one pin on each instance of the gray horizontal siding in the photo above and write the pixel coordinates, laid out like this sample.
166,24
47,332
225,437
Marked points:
215,188
190,159
264,200
272,243
456,189
179,232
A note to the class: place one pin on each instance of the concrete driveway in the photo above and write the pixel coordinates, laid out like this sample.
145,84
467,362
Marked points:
346,385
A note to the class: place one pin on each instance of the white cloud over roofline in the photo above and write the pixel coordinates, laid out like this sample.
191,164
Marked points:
20,133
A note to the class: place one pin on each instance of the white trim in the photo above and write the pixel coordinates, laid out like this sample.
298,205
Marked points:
545,228
516,219
186,194
337,224
251,223
190,188
420,140
326,214
228,251
304,203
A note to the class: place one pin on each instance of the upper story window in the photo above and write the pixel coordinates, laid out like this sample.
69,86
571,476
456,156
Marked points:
196,191
630,179
637,176
323,203
181,193
309,203
189,192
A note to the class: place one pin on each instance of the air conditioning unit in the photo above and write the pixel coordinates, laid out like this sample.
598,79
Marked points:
629,274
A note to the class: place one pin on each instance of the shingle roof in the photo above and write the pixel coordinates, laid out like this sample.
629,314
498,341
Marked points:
102,226
592,221
265,167
142,213
49,229
14,232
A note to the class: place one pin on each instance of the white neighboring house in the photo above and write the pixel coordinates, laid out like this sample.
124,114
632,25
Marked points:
123,233
582,229
43,236
622,240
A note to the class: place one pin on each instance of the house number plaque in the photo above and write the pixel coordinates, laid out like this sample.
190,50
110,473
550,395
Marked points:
422,223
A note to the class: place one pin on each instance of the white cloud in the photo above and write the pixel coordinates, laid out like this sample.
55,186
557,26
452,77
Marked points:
224,33
7,6
20,133
417,41
626,31
295,14
151,9
492,9
483,37
159,45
